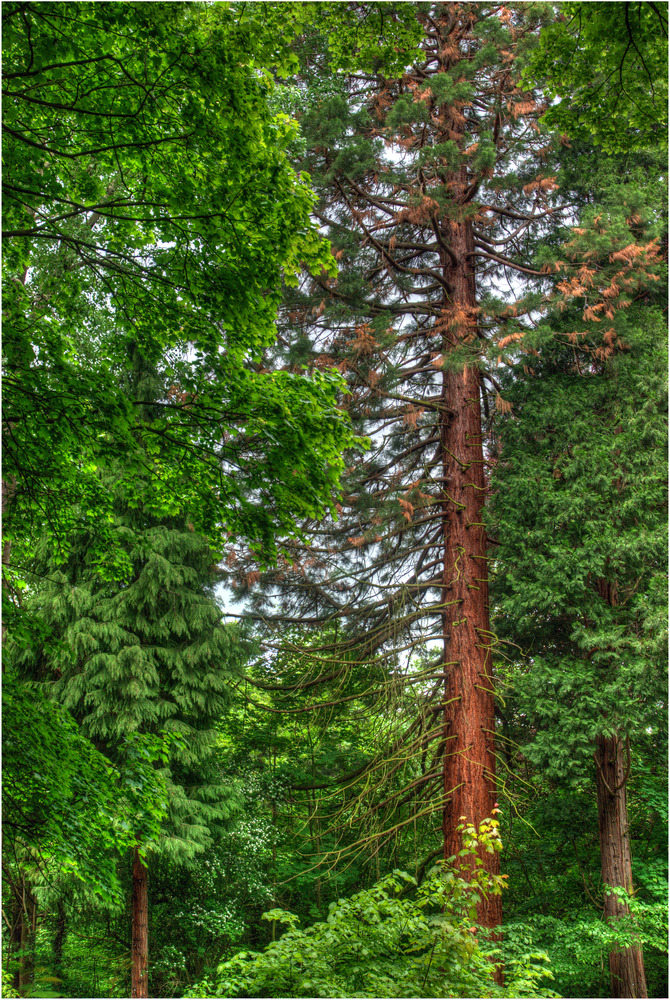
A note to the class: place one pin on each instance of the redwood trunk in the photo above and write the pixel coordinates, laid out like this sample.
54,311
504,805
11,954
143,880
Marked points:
627,978
469,760
140,930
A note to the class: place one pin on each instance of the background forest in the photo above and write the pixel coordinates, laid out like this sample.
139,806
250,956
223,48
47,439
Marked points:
334,499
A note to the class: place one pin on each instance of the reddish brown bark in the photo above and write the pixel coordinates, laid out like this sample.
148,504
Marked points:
627,977
469,760
140,930
422,229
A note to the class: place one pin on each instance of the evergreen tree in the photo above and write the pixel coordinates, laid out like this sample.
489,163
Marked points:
580,514
429,185
148,657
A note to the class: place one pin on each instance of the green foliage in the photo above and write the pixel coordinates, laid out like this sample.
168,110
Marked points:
551,852
195,916
8,989
146,670
63,801
150,214
381,37
394,939
579,499
607,64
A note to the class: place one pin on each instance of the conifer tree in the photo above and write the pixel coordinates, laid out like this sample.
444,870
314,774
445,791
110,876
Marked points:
580,512
429,186
148,658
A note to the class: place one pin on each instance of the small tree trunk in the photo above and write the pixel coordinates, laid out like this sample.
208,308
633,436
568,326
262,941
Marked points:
22,935
140,930
627,978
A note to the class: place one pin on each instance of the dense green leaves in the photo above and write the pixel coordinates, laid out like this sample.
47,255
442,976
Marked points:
579,494
606,62
149,658
66,807
150,213
394,939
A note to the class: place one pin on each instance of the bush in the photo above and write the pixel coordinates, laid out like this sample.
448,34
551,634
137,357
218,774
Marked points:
397,939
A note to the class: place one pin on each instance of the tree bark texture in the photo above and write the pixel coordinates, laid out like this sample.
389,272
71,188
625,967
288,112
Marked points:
140,930
469,757
627,977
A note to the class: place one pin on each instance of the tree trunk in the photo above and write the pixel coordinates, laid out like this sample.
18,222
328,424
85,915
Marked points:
140,930
627,978
21,941
469,760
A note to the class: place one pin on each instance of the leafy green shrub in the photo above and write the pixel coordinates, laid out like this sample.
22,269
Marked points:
579,943
8,989
395,939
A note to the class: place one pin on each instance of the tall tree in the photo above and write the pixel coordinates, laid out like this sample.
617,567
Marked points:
580,513
428,187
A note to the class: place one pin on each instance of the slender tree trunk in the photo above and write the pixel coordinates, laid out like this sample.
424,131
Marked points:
627,978
314,836
140,930
25,972
24,926
469,761
15,944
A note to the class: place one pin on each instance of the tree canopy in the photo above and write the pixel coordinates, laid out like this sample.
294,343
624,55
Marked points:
150,211
603,63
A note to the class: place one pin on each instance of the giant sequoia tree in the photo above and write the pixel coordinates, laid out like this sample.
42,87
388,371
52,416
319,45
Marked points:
429,185
489,319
